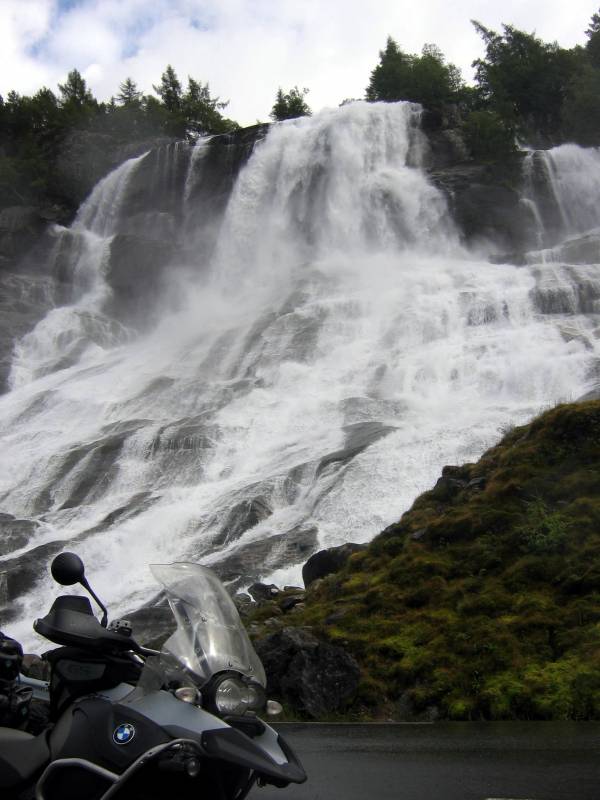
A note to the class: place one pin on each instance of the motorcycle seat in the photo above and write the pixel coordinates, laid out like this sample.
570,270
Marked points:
22,756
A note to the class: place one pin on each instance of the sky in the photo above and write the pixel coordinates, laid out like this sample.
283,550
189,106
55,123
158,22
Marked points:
246,49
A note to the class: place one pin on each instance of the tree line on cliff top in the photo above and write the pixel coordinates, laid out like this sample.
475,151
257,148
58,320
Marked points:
524,87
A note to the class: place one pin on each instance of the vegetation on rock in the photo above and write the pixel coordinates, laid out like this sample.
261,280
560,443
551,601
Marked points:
290,105
425,79
524,87
35,130
483,601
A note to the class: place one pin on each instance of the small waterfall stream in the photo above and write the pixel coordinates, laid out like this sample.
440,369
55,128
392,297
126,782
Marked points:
68,331
328,353
562,186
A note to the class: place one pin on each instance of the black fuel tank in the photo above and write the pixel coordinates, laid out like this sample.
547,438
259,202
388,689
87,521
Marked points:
109,735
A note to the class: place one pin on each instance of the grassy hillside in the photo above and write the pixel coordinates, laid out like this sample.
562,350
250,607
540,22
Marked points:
483,601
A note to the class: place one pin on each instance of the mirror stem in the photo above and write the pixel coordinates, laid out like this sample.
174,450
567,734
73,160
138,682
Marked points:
85,584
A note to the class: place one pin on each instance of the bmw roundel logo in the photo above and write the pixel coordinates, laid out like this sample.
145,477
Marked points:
124,733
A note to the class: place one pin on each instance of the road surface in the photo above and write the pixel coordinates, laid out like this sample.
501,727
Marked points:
445,761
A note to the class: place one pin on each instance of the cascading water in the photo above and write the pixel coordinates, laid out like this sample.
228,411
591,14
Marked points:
562,185
338,349
69,330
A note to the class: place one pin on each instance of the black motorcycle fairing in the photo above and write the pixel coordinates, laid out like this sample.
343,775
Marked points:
86,730
70,621
22,757
234,747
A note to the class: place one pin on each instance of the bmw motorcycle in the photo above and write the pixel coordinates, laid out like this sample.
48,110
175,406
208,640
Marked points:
129,721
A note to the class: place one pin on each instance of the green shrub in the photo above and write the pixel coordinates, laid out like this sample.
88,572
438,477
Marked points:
543,531
488,136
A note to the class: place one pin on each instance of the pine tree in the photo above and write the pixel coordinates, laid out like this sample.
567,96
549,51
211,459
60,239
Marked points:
202,112
524,79
169,90
74,91
129,96
425,79
290,105
593,44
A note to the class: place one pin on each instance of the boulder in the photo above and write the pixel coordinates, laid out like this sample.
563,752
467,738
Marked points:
447,488
326,562
311,676
291,601
243,603
262,592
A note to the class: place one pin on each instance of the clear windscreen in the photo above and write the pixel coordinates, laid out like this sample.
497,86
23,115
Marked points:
210,636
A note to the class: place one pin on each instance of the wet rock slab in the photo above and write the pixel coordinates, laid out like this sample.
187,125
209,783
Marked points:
15,533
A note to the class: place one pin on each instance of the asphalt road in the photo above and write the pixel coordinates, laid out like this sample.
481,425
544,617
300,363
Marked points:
445,761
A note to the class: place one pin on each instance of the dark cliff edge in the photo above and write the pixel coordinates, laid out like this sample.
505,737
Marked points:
483,601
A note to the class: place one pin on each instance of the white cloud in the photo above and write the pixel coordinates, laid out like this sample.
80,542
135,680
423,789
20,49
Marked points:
22,24
246,49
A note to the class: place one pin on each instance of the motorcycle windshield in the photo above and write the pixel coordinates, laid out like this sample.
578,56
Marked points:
210,636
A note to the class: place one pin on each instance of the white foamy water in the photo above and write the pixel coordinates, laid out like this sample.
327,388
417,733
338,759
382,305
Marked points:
341,312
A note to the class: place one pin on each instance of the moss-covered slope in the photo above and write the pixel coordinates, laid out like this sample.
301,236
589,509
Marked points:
484,600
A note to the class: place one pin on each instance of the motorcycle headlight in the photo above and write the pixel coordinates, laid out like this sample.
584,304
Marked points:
257,698
232,697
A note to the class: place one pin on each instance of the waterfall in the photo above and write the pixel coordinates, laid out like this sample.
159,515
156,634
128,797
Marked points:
562,186
332,351
70,330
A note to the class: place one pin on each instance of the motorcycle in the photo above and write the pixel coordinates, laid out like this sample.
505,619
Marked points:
180,722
